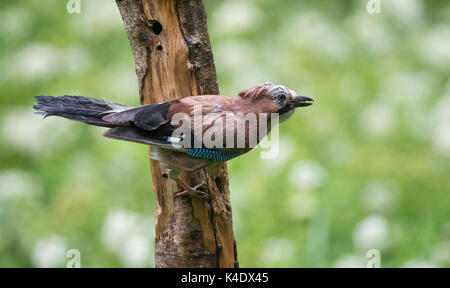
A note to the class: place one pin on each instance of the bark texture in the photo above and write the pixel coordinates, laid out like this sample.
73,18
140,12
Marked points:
173,59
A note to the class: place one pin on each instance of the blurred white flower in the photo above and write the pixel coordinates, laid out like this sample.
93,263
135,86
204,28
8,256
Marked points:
14,22
117,227
275,250
371,233
136,251
229,57
371,31
440,253
129,235
350,261
410,88
434,47
124,84
286,150
418,263
311,30
378,119
234,16
27,132
17,184
97,17
49,251
440,125
307,174
409,91
37,60
41,60
441,138
408,12
302,204
337,151
377,196
231,54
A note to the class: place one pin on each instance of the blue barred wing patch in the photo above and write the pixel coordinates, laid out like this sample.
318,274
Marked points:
214,154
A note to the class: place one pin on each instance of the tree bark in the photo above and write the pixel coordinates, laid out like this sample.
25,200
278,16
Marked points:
173,59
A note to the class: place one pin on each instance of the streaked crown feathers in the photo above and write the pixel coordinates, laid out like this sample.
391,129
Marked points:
263,90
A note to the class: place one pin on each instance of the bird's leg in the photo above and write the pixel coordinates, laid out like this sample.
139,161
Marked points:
192,191
188,190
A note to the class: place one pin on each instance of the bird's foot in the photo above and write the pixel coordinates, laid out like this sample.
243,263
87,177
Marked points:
192,191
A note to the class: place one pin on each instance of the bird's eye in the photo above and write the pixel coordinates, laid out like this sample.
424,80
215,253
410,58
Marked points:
282,97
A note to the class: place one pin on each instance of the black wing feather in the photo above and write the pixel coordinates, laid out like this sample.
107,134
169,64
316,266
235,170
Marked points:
153,117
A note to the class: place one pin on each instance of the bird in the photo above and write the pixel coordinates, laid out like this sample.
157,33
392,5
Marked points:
186,134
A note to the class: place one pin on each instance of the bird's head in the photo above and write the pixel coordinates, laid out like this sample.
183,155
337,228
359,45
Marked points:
273,98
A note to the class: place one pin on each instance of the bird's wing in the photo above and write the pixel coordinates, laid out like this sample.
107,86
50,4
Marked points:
155,124
147,117
148,124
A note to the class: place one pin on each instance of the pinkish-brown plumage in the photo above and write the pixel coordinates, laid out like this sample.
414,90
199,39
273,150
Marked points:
158,124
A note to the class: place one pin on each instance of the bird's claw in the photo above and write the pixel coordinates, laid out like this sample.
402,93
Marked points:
203,184
194,191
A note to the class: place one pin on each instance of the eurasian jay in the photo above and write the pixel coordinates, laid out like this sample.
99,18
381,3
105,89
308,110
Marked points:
176,129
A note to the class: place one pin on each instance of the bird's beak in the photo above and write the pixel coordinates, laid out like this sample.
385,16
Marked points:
301,101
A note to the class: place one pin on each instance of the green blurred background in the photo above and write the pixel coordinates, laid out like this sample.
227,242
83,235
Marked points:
366,167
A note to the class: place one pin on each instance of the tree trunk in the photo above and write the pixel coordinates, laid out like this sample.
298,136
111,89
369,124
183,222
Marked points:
173,59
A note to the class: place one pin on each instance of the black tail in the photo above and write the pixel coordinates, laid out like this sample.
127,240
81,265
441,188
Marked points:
77,108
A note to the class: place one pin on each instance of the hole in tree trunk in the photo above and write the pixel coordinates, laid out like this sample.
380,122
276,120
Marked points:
156,27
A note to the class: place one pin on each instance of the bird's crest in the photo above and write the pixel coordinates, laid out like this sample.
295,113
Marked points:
260,91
